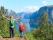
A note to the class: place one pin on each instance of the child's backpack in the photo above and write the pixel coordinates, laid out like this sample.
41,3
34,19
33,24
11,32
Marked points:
22,28
11,22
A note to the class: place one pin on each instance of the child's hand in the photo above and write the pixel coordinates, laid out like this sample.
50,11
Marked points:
17,18
4,16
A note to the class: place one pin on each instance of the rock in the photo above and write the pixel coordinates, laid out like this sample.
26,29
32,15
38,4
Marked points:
1,38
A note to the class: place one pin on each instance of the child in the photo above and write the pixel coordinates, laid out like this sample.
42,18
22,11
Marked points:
11,22
21,28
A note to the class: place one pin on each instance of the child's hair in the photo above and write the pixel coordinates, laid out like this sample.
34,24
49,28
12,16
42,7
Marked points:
11,16
20,22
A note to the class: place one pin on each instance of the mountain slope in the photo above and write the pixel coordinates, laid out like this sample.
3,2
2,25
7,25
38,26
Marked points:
32,18
11,12
36,15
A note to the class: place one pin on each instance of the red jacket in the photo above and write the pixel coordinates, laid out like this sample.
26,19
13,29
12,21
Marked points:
21,27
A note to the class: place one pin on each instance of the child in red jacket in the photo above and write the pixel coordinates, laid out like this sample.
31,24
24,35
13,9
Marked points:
21,28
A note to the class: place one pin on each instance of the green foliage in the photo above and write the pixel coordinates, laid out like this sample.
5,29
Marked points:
2,10
4,25
16,33
4,30
29,35
45,28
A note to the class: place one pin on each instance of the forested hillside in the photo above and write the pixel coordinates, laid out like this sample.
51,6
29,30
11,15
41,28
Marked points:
45,28
4,24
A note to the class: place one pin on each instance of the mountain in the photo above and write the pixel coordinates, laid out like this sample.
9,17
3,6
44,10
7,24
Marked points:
32,18
11,12
25,15
36,15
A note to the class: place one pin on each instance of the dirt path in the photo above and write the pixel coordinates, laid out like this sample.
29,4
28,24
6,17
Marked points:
15,38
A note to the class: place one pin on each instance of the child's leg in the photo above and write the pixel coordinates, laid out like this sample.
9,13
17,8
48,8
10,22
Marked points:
12,32
21,34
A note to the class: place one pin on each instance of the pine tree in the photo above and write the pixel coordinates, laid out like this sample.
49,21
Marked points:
2,10
45,28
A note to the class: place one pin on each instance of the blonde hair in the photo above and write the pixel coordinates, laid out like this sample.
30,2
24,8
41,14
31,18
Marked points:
21,23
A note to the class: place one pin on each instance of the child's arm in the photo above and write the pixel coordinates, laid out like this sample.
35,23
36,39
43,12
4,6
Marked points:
17,23
5,17
17,18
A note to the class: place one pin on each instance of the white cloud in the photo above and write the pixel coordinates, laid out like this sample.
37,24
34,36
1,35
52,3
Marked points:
44,2
30,8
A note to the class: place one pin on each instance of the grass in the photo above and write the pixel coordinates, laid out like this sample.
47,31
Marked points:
29,35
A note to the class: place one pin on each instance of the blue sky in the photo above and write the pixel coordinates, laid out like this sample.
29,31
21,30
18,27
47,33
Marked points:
24,5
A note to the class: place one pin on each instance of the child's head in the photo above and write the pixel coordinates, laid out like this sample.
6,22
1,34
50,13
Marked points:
21,23
11,17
